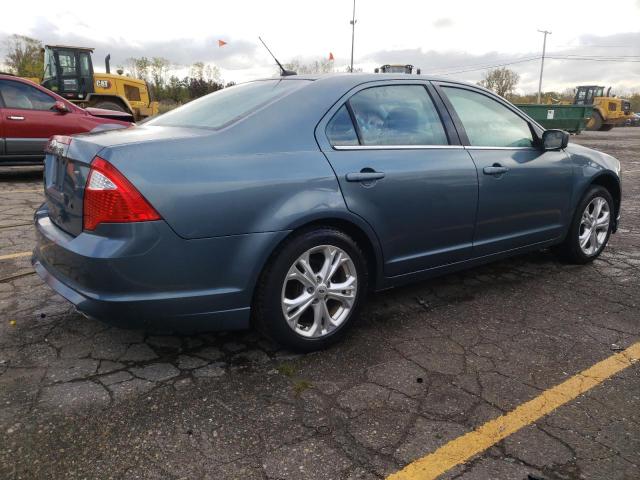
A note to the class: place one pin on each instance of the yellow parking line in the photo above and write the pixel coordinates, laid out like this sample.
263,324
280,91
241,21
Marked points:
15,255
34,190
463,448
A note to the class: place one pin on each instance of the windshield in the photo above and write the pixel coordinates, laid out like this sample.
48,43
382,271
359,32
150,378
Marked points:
228,105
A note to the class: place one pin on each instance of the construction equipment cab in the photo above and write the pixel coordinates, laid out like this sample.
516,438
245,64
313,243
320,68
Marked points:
397,69
68,71
608,111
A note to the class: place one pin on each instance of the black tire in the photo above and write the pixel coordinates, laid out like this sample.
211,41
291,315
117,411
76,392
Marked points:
267,309
606,128
570,249
107,105
596,121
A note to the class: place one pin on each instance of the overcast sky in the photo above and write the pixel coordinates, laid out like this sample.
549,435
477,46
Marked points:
439,37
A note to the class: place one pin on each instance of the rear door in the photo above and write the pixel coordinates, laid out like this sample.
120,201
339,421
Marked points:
29,120
524,191
402,170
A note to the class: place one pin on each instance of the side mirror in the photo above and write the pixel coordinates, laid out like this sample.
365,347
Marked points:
60,107
555,139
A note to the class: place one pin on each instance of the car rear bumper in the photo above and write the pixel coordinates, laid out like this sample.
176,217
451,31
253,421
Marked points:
142,275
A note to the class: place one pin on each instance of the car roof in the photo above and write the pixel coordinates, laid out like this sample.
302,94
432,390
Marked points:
358,78
11,76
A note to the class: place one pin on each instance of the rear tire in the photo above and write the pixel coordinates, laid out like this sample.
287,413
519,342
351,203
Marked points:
310,309
110,106
596,121
595,211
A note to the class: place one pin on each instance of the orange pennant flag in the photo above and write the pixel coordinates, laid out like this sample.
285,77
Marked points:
330,56
221,43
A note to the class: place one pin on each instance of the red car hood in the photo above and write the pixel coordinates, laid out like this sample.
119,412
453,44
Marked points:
113,114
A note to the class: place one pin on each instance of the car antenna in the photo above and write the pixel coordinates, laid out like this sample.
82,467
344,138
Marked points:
283,71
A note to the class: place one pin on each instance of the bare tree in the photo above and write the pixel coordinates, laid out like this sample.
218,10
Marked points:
209,73
316,66
139,67
24,56
501,80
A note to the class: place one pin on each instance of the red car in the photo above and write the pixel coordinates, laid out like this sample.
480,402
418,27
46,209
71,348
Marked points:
30,114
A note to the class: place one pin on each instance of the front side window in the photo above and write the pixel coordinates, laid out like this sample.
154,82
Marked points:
228,105
397,115
25,97
49,65
85,71
487,122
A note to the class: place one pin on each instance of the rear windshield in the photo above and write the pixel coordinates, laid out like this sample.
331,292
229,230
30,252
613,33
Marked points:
226,106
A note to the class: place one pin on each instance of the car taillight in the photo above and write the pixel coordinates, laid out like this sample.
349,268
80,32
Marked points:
110,198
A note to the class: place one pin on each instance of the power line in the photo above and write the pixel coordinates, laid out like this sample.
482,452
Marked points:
487,67
618,60
483,64
594,56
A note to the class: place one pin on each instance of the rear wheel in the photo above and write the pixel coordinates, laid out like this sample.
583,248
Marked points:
595,123
591,227
312,289
107,105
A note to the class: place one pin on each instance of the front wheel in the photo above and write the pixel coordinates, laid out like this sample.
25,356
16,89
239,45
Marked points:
595,122
590,228
107,105
312,289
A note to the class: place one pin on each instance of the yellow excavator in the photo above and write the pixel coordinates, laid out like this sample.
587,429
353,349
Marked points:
608,110
68,71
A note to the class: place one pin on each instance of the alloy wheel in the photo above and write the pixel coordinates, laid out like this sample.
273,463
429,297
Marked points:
594,226
319,291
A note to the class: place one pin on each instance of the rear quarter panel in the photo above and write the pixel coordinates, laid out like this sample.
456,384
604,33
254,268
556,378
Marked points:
201,194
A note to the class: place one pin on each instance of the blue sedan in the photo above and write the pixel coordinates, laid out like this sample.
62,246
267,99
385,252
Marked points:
281,202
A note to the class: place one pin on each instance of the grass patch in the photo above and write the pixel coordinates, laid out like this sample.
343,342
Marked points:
287,369
300,386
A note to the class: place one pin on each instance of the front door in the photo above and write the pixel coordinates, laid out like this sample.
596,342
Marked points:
524,191
399,171
29,120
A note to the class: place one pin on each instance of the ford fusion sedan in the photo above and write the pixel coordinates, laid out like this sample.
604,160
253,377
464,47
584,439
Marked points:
282,202
31,114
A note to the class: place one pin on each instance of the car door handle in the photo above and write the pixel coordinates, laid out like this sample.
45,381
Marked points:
366,175
15,117
495,169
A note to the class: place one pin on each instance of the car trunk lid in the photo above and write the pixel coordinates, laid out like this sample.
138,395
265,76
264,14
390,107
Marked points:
66,167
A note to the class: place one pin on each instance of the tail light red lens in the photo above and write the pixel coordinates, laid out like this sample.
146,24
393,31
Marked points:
110,198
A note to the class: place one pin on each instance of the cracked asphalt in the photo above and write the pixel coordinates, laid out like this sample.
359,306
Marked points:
426,364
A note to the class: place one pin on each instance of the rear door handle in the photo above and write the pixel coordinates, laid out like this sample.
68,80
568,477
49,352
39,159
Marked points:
495,169
364,176
15,117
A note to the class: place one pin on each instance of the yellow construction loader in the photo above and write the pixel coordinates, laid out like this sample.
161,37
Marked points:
68,71
608,111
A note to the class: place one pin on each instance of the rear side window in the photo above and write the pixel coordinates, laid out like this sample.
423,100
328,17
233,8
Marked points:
228,105
340,129
487,122
25,97
397,115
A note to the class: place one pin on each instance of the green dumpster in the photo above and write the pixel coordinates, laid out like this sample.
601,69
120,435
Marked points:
572,118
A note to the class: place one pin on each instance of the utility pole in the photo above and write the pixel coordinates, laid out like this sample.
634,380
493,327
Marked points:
544,48
353,33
